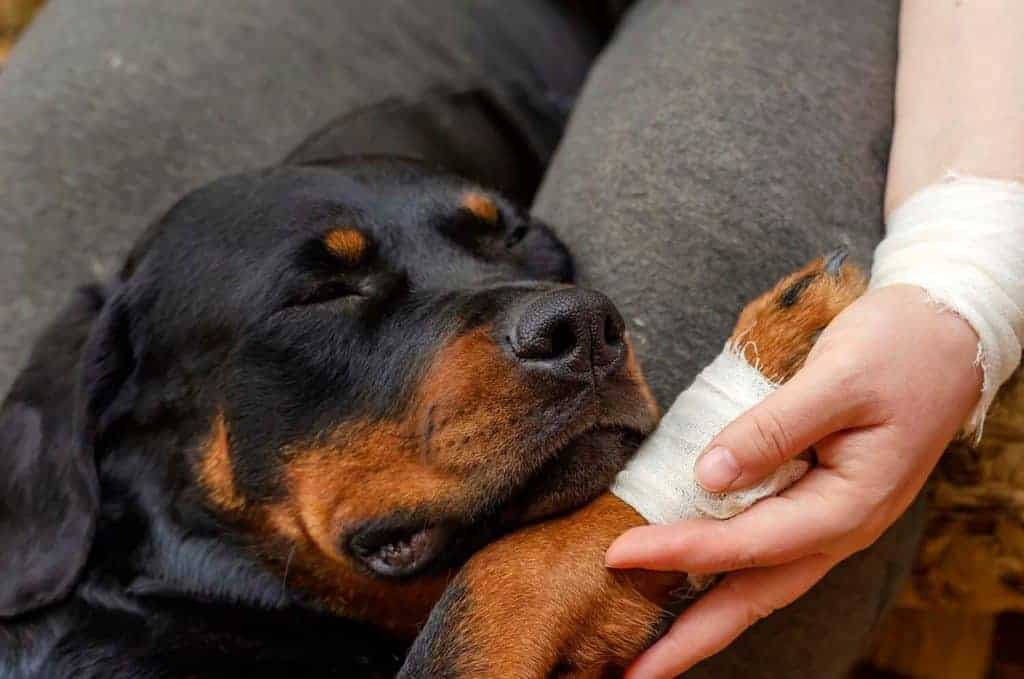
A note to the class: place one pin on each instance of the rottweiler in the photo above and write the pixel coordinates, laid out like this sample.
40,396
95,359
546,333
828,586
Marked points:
310,392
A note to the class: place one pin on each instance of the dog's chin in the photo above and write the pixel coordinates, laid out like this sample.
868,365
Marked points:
404,546
580,472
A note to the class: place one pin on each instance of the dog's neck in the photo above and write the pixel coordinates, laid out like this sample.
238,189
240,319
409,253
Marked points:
177,547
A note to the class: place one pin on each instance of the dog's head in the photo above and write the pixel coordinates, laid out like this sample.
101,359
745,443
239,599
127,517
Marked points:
366,371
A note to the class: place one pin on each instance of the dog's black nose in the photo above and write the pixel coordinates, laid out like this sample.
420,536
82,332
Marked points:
570,332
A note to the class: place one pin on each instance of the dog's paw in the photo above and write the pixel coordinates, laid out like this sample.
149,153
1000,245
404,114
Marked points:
541,603
775,332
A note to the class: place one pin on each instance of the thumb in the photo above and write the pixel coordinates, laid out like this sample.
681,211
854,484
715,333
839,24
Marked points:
789,421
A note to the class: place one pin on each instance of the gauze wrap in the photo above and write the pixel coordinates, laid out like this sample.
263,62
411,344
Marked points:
659,482
962,240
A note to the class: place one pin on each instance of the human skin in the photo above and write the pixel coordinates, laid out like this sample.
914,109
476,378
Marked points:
887,386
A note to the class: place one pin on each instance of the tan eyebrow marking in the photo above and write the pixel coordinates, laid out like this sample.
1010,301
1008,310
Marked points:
347,244
481,205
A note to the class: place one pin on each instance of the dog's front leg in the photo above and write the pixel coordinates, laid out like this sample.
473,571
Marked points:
541,602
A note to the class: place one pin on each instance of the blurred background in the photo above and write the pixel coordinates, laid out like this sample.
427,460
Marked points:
962,616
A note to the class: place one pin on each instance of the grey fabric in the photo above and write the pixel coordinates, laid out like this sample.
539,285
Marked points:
111,109
715,147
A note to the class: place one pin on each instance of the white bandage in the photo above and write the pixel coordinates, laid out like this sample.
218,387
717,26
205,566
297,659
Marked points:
659,482
962,240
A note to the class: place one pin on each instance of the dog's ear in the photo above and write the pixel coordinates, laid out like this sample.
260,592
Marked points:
447,128
49,491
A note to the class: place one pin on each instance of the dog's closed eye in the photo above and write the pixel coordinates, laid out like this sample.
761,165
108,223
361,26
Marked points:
329,291
480,226
516,234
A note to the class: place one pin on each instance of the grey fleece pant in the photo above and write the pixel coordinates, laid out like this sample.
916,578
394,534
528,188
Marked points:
714,146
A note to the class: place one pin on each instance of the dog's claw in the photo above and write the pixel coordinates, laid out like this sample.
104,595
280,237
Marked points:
835,259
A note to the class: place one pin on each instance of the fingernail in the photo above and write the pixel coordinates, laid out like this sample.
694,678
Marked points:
611,557
717,469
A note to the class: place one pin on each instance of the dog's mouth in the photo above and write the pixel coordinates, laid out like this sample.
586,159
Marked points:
401,550
409,544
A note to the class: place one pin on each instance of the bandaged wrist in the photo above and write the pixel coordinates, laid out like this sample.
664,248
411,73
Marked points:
660,482
962,241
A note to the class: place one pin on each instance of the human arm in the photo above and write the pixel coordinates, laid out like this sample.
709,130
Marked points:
888,384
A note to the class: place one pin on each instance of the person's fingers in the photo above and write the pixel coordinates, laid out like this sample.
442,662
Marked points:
816,402
715,620
813,516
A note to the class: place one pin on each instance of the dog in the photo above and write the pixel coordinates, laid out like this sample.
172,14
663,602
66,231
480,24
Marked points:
308,395
541,603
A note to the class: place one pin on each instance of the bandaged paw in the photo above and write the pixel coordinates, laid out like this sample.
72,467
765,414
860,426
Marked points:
660,481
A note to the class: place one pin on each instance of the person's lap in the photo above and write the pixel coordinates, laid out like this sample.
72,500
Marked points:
715,147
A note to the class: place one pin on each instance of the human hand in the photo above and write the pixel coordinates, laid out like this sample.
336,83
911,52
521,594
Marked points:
885,388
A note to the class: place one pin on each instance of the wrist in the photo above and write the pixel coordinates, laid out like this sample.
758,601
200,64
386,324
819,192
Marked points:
951,340
911,358
918,325
962,241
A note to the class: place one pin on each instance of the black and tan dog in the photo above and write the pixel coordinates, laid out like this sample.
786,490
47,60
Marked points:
309,393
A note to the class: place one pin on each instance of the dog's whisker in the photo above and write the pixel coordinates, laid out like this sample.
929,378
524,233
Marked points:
284,578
